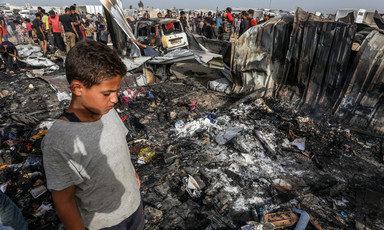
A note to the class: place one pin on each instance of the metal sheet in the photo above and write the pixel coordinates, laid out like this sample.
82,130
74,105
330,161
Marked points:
308,64
115,9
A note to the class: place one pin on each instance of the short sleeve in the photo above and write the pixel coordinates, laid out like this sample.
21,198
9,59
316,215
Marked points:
60,169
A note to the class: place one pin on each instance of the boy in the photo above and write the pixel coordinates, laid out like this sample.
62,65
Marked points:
86,157
147,49
39,28
29,29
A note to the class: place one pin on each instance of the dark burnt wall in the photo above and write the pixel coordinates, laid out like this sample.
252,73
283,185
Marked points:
307,62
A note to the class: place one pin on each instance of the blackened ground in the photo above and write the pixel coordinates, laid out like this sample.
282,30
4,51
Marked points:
234,177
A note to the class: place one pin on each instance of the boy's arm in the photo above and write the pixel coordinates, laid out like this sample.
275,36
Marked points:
66,208
138,43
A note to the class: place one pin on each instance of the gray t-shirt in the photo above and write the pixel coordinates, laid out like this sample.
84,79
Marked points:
94,157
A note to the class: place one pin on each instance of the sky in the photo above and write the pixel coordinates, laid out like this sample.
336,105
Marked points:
326,6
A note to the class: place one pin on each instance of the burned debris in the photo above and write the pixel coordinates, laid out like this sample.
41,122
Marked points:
289,138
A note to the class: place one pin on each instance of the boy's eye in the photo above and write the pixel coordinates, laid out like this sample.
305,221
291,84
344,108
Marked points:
107,94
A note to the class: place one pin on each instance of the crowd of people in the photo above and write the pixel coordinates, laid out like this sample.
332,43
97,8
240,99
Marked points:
220,25
48,29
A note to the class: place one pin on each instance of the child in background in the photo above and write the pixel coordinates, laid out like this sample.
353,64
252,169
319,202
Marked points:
20,32
29,30
88,30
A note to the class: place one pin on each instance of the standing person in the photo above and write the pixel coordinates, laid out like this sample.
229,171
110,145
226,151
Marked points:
219,20
20,32
159,15
45,20
184,21
244,23
103,34
77,23
39,28
3,25
56,30
200,25
86,157
215,34
10,56
237,24
69,29
229,15
227,29
208,29
89,30
169,14
29,30
252,22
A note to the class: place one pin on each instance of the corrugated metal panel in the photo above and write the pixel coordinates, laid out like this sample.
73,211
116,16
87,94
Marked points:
306,63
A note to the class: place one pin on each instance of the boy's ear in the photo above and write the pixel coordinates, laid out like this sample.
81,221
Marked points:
76,87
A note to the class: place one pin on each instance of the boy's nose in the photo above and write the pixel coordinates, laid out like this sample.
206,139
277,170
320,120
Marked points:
114,97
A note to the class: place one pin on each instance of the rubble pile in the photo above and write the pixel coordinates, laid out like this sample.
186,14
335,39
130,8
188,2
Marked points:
205,161
210,169
27,107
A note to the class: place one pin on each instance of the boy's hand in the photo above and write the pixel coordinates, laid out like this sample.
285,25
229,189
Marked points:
66,208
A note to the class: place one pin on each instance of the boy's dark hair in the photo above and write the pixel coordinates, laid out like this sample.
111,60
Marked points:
244,13
250,11
72,8
182,13
15,22
28,20
229,9
43,11
38,15
67,9
92,62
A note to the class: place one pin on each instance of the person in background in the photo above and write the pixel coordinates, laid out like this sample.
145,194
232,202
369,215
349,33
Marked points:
229,15
184,20
208,29
104,34
56,30
19,32
200,25
10,56
215,34
227,29
3,25
219,20
147,49
39,28
69,29
45,21
159,15
29,30
88,30
77,23
244,23
169,14
252,21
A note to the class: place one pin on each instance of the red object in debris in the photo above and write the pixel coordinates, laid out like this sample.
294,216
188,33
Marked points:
29,146
347,146
124,118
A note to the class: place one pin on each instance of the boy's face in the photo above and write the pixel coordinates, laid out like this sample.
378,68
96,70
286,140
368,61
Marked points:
99,99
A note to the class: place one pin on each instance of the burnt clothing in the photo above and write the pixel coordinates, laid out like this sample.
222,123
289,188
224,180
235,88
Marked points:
243,26
66,21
